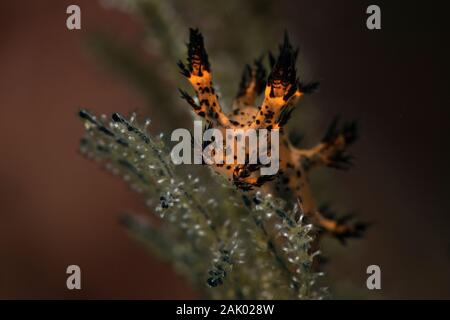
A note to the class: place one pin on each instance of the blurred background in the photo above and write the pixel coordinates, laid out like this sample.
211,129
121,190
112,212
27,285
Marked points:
57,208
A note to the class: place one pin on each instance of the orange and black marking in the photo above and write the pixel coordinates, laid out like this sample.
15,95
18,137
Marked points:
282,90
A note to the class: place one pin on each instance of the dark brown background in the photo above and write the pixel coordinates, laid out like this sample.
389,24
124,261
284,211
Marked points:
57,209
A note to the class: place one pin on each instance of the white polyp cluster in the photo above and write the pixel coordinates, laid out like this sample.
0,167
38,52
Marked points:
215,235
